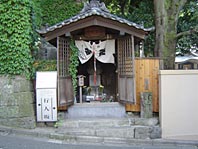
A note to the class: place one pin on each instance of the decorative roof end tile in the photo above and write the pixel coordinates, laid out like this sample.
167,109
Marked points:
94,4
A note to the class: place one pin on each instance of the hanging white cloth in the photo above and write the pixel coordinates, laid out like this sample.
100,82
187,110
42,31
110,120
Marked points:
85,52
103,50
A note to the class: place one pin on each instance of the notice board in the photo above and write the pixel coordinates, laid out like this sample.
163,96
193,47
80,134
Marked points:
46,96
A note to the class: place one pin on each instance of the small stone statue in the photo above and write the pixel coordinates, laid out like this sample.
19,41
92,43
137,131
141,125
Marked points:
146,105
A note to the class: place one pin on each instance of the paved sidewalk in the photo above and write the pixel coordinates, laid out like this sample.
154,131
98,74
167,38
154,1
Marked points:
185,138
53,133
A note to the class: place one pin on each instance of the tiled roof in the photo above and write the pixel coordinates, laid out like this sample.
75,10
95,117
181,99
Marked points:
94,8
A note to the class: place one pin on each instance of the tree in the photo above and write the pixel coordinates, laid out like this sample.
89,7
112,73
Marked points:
166,20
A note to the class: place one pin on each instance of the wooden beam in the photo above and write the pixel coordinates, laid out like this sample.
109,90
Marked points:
95,21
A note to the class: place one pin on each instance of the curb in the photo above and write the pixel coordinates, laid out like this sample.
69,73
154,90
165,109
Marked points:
51,134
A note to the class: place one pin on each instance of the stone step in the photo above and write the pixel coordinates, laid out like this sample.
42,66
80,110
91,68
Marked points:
129,128
134,132
108,122
99,110
100,132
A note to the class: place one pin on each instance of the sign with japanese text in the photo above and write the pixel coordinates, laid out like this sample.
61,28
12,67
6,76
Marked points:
46,105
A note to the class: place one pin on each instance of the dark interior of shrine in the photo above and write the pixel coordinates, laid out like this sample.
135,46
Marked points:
105,88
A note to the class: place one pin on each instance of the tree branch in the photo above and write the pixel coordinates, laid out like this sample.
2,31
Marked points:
185,33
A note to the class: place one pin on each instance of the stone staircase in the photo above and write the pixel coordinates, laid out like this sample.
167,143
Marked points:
125,128
106,120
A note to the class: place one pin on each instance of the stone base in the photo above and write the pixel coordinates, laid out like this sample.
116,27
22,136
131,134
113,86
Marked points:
104,110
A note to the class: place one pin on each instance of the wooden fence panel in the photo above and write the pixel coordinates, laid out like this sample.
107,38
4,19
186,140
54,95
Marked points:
146,76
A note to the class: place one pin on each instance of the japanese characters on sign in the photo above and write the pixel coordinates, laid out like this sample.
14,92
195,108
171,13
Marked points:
46,105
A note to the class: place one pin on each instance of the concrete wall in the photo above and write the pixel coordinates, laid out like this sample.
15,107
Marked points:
179,102
16,102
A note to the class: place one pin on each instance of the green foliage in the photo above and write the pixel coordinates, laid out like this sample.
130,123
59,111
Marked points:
113,6
36,23
54,11
140,12
45,65
36,13
188,20
15,37
143,13
73,64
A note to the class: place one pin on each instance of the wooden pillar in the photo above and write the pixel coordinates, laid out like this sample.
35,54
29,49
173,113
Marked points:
58,69
133,67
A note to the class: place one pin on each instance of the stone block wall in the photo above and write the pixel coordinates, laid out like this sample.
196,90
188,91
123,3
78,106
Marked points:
17,102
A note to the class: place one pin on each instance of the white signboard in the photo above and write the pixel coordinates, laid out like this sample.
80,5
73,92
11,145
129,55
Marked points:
46,79
46,96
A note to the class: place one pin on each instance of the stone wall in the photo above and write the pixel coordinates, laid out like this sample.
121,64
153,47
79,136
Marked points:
17,102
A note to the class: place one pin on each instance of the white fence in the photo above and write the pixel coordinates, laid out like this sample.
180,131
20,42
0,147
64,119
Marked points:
178,102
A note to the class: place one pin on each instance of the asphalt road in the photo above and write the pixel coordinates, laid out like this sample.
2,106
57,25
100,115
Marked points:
22,142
